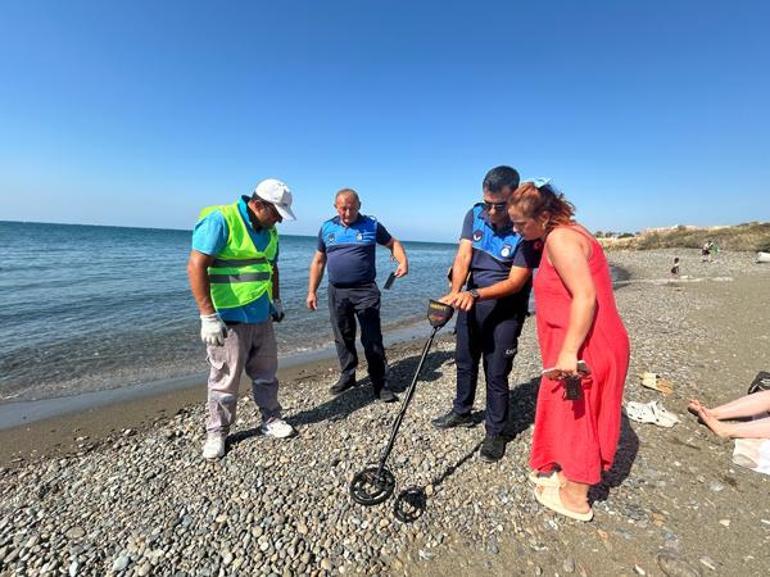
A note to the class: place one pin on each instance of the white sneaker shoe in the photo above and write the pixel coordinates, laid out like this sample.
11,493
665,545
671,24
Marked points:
278,428
214,447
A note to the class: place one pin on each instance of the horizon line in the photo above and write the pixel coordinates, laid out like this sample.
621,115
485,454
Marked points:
123,226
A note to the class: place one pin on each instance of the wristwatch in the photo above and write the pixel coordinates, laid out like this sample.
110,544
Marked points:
474,293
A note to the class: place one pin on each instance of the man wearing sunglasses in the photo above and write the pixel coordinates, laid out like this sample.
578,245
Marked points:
233,273
490,288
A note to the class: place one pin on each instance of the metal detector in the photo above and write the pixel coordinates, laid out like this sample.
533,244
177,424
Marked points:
376,483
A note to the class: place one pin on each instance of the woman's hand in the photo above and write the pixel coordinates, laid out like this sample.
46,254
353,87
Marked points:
567,363
566,366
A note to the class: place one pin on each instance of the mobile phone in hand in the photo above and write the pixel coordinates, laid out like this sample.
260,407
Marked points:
390,281
582,369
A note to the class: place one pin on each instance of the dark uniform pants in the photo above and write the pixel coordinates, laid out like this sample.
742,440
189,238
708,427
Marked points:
362,303
489,331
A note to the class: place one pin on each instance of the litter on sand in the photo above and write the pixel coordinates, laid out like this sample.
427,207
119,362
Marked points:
656,382
652,412
753,454
760,383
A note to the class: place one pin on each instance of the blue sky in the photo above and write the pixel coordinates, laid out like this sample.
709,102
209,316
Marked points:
140,113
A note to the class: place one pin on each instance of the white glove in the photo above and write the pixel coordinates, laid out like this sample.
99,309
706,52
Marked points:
213,330
277,310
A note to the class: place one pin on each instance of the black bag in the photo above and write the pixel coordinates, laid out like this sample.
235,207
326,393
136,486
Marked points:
760,383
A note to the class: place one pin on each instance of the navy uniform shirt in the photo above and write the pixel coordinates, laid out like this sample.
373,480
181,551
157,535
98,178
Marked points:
495,251
350,249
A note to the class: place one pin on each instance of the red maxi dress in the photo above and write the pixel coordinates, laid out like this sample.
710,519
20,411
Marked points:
580,436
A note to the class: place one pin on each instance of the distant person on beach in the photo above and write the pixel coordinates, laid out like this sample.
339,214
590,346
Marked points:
347,244
675,268
233,272
705,251
490,287
578,414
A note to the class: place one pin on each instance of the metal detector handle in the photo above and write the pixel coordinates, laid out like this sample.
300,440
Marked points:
407,399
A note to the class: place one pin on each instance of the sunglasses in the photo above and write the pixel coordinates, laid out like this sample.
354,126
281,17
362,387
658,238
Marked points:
498,206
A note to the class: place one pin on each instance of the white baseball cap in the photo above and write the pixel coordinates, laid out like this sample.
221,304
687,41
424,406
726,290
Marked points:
278,194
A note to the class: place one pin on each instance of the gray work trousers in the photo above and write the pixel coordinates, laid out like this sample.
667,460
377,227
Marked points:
250,348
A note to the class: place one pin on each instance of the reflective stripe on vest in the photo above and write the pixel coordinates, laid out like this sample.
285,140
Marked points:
246,277
240,274
236,262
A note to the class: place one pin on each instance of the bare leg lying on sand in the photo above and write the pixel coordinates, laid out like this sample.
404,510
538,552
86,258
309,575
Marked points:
748,406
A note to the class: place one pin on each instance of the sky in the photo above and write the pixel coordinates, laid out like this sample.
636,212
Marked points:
645,114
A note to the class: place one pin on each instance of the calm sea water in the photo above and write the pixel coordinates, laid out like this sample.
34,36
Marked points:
85,308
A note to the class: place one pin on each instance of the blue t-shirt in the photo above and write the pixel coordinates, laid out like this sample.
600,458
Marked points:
495,251
210,237
350,249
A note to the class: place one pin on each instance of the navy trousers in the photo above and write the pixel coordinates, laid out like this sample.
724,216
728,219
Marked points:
345,306
489,332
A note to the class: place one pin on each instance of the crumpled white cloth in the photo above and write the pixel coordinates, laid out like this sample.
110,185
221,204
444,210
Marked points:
753,454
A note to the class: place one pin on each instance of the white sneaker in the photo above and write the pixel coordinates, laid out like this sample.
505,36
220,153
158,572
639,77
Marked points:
278,428
214,447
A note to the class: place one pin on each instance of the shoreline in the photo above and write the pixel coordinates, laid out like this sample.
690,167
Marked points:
31,430
35,429
23,412
20,412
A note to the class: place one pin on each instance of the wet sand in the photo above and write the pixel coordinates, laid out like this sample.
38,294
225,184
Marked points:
117,412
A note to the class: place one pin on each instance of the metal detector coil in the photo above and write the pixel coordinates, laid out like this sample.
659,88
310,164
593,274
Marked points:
410,504
376,483
372,486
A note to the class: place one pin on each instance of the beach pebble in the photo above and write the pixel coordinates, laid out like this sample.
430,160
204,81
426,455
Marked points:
120,563
674,566
75,532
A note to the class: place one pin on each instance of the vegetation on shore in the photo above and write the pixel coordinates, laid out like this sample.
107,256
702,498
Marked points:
750,236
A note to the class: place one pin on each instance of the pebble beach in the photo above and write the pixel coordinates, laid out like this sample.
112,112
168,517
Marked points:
140,500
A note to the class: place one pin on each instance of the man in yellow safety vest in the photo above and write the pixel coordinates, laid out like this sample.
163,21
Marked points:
233,273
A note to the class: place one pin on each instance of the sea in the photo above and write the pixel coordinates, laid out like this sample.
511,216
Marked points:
93,315
95,308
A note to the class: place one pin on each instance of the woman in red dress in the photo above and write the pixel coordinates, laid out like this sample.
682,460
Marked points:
577,431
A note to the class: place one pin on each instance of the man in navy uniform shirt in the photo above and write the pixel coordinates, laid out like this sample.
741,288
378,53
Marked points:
347,244
494,265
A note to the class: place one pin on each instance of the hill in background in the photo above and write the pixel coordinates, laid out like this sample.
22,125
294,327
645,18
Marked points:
750,236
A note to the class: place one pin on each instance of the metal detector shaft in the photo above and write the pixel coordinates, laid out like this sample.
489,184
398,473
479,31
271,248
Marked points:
407,400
